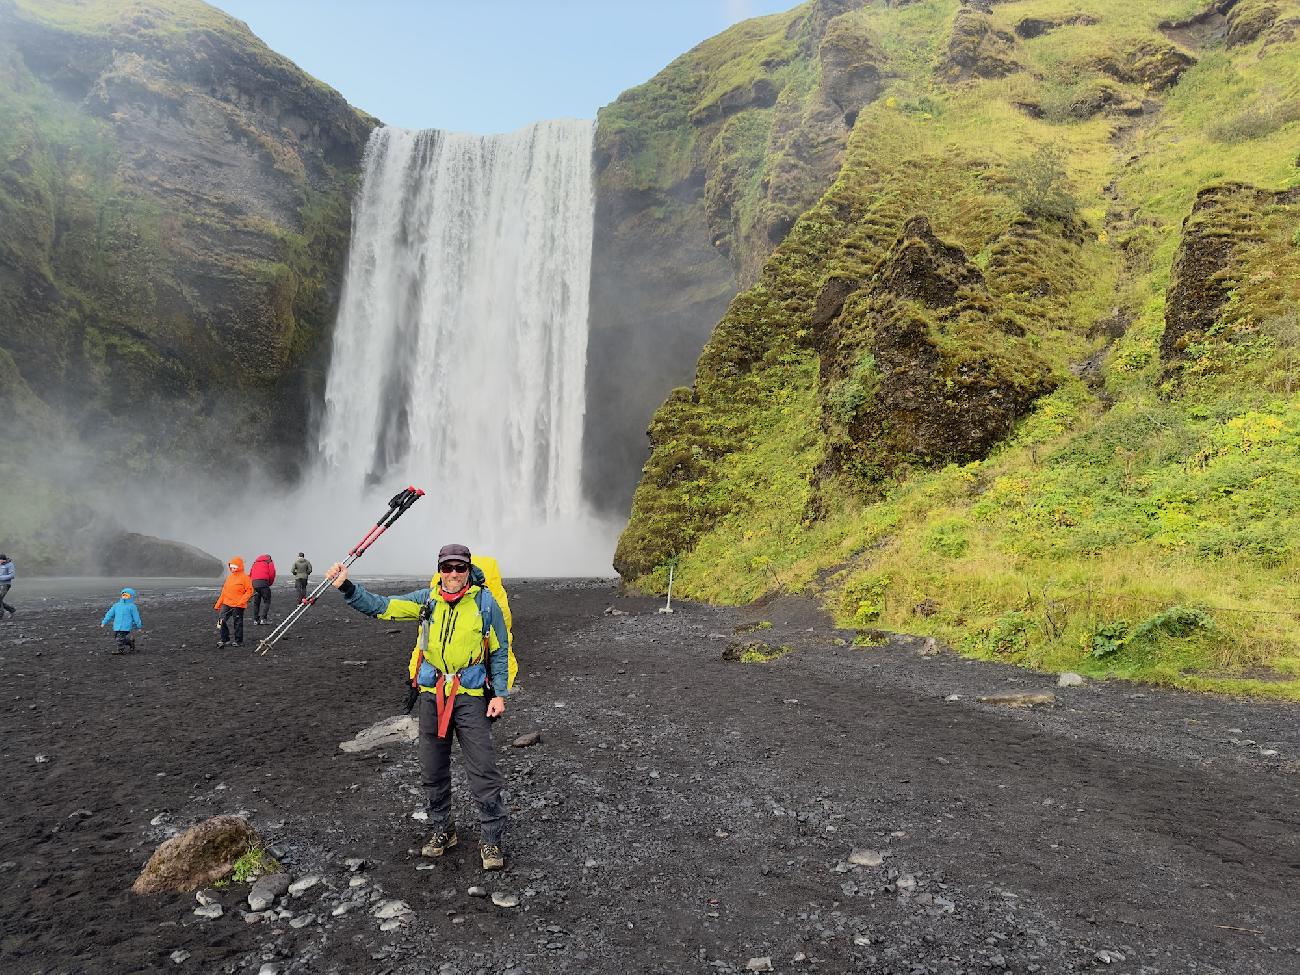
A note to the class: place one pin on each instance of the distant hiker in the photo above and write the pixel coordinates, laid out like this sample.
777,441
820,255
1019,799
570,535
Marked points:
301,573
469,638
7,574
236,591
125,617
263,576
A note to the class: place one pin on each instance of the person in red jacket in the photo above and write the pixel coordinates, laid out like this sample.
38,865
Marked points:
262,575
235,594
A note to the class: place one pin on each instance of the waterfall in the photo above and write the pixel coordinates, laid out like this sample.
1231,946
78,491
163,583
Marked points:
460,347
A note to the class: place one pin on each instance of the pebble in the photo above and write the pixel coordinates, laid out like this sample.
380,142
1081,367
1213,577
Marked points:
206,897
257,917
503,899
269,969
763,964
1108,957
865,858
158,820
354,864
302,920
527,739
477,891
905,882
304,884
209,911
357,881
179,955
1070,679
343,908
392,924
41,760
953,697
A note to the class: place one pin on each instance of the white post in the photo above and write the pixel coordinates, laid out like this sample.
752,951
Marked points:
668,608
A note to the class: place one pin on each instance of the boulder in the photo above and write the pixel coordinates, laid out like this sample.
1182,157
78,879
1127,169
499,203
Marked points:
197,858
398,730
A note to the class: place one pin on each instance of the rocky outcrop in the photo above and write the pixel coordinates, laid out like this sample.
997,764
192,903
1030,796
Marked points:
131,554
176,216
699,175
1031,27
977,49
1225,227
1154,65
894,394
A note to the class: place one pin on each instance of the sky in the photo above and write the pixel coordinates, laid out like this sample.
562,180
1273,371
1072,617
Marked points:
486,66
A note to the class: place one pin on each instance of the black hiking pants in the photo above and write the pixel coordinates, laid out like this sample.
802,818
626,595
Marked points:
301,586
470,725
261,600
124,642
232,616
4,591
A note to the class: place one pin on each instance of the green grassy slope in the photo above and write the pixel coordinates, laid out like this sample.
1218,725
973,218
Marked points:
1071,442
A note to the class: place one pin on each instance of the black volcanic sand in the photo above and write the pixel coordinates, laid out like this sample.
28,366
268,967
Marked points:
682,814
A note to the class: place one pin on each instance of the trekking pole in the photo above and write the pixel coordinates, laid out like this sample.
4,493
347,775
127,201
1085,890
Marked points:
397,507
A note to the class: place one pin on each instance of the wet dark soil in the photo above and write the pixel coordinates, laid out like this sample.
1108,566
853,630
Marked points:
681,814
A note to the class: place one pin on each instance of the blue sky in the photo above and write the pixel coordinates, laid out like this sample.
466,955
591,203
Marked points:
486,65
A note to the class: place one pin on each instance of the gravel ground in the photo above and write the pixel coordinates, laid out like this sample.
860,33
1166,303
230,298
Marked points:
682,813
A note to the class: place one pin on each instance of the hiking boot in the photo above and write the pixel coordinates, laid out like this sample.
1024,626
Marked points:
439,843
493,858
220,644
235,644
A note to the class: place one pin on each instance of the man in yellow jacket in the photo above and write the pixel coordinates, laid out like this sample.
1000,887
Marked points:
461,670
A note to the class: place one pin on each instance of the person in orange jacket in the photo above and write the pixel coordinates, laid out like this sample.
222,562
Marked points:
235,594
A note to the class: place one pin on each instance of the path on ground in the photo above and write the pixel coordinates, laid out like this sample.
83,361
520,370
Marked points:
681,814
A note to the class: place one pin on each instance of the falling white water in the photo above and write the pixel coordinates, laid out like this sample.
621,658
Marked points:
460,348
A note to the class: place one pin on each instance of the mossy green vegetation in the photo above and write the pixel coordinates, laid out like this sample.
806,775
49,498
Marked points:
1132,513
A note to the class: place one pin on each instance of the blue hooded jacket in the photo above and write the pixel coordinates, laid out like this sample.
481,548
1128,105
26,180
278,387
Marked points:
123,614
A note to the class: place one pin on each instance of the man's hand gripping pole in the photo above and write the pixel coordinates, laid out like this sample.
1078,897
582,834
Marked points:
397,507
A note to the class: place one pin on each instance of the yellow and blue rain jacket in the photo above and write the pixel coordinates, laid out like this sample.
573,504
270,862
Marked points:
451,639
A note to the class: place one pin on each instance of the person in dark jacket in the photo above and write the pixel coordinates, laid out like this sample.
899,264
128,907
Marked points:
301,573
125,617
262,575
7,574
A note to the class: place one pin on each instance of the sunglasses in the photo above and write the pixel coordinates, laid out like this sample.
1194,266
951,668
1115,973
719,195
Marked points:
453,567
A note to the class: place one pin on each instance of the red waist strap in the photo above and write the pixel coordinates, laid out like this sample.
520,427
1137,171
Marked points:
445,703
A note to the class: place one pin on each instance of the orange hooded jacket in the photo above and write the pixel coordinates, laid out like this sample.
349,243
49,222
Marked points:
237,589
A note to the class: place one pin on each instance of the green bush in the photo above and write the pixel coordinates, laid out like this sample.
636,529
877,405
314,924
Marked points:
1040,186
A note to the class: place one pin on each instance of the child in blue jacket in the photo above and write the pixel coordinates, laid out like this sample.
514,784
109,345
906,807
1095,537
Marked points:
125,618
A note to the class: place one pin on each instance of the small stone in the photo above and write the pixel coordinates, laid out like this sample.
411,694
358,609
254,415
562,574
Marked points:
392,924
865,858
390,909
763,964
477,891
303,884
1070,679
861,940
527,740
158,820
179,955
266,889
1268,752
269,969
354,864
953,697
342,909
905,882
1108,957
209,911
257,917
41,760
206,897
503,899
799,958
357,881
420,814
302,920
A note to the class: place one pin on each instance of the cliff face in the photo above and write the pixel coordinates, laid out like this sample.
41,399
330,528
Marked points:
175,199
175,205
700,173
1027,375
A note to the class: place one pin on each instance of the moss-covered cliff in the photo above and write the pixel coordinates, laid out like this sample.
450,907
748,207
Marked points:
700,172
1025,376
175,204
